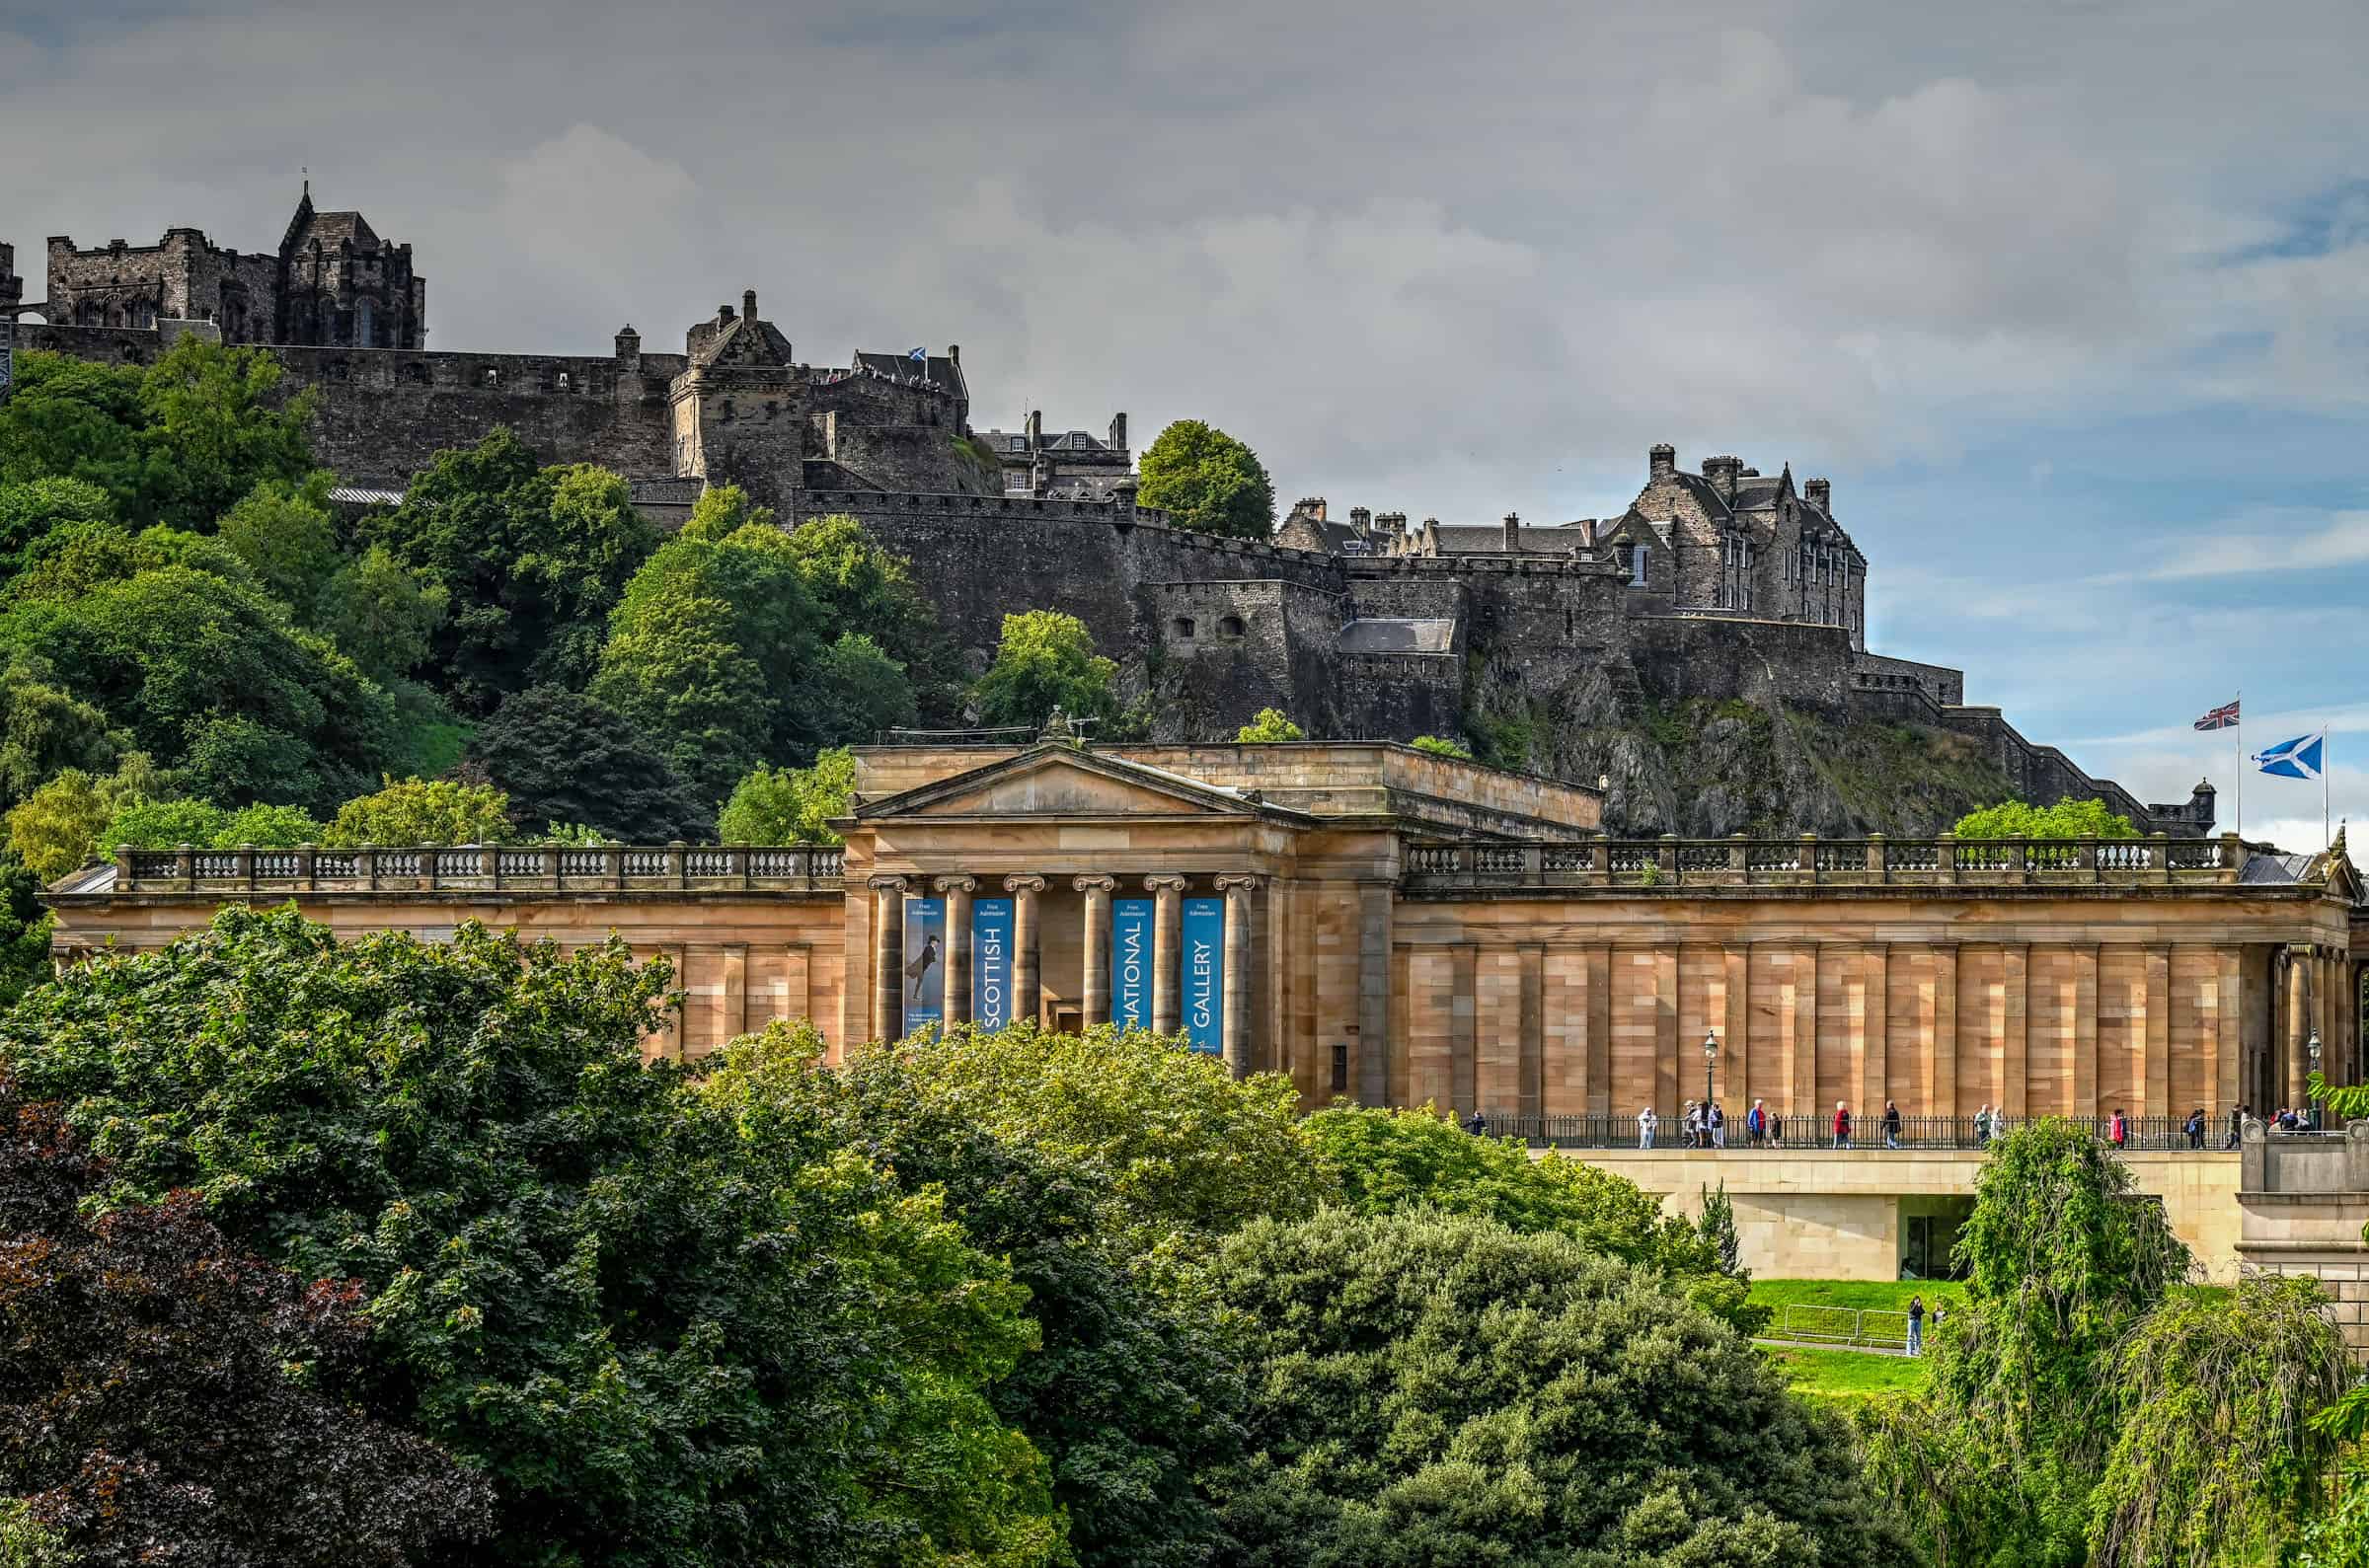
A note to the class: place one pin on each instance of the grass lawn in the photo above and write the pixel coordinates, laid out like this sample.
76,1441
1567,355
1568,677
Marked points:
1879,1296
1844,1375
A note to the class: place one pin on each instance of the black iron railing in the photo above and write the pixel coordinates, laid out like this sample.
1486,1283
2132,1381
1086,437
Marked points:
1816,1133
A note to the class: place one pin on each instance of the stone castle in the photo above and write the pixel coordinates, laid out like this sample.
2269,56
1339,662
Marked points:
1713,585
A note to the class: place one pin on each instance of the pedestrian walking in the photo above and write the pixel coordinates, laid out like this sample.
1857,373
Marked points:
2195,1128
1690,1125
2117,1131
1478,1126
1916,1326
2236,1126
1646,1121
1776,1130
1891,1125
1982,1126
1842,1125
1756,1123
1719,1125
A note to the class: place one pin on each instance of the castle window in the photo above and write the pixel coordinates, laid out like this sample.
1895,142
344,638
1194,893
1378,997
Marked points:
563,381
1637,565
1229,625
143,313
493,376
1182,628
365,326
1341,1068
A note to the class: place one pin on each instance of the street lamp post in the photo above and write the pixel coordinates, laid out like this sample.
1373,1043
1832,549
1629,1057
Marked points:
1711,1055
2313,1046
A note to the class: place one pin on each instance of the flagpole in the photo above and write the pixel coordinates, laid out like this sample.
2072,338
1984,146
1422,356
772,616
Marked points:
2241,775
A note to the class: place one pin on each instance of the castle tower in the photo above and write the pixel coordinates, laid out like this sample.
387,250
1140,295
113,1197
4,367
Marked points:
12,287
740,408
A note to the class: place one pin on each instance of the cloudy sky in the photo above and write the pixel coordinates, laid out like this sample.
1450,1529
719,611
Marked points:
2070,301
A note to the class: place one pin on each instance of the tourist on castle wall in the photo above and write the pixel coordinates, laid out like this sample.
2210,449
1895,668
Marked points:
1719,1125
1842,1125
1891,1125
1646,1121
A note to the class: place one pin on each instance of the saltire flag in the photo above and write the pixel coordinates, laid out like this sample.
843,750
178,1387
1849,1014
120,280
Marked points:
2300,758
922,354
2223,717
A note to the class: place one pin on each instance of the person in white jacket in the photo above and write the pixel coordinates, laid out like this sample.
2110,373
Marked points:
1646,1121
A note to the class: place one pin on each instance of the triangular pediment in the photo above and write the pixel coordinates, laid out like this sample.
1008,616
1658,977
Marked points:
1054,781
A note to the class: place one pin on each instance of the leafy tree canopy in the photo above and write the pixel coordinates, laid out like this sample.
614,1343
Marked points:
170,1399
1208,482
31,508
530,558
2067,819
867,590
145,824
1045,660
1134,1388
382,614
55,829
422,812
564,757
285,537
791,805
1270,724
1432,1389
46,729
659,1349
1441,748
1391,1160
710,650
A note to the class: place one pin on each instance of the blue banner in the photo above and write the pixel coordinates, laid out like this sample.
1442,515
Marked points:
991,963
925,963
1131,962
1205,964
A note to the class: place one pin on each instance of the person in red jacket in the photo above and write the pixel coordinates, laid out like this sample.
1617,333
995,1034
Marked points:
1842,1125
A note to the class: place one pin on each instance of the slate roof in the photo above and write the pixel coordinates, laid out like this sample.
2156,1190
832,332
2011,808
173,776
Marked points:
1466,539
939,371
332,228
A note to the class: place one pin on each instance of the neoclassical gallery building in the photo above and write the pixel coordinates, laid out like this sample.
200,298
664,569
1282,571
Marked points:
1404,929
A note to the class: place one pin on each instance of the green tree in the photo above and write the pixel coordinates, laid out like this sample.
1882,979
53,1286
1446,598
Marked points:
31,508
1441,748
46,729
1134,1388
145,824
170,1399
857,691
709,650
563,757
2214,1455
422,812
214,427
530,560
1045,660
73,418
1392,1160
867,589
1270,724
791,805
286,536
1715,1225
1208,482
2063,1258
658,1347
382,614
25,960
55,829
173,654
2067,819
1431,1388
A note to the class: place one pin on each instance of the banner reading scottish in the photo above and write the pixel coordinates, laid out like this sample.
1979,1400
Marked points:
925,963
1204,965
991,963
1131,962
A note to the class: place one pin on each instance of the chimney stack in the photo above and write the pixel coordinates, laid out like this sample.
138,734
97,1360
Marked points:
953,355
1361,519
1118,431
1661,462
1819,493
748,303
1036,428
1723,473
1513,533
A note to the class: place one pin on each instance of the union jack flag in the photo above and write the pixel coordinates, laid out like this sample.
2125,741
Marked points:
2221,717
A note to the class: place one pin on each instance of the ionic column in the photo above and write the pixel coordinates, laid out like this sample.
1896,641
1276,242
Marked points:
888,957
1023,891
956,891
2298,1027
1236,1043
1098,945
1168,947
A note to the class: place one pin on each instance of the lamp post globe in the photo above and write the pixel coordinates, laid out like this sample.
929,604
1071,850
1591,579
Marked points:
1711,1056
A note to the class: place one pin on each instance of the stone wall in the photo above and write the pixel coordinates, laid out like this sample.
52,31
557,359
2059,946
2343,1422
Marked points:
1718,658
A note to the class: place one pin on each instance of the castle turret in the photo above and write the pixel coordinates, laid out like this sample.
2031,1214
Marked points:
628,350
1819,493
1723,472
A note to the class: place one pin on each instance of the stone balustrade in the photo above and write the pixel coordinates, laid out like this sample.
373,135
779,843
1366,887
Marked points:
1671,863
559,869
